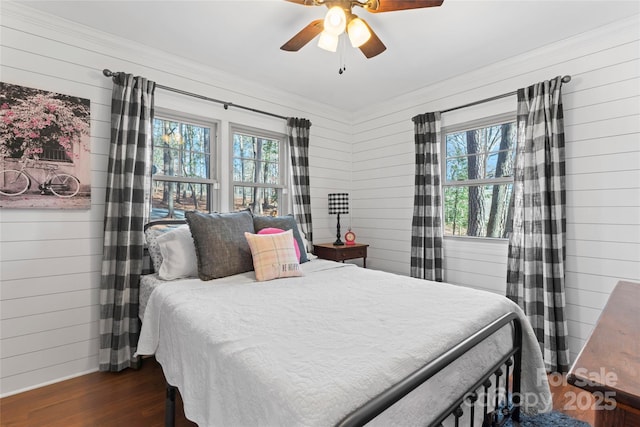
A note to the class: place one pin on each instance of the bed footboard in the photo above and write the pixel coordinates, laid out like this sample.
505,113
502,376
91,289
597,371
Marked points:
506,373
512,362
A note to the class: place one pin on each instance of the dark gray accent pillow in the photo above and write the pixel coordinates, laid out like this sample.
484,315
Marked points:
221,248
285,223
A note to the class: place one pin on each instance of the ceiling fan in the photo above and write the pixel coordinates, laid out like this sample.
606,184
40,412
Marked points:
340,19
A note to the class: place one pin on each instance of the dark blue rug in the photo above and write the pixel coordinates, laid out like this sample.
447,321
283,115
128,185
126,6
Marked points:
550,419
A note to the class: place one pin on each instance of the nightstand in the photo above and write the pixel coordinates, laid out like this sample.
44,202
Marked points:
341,253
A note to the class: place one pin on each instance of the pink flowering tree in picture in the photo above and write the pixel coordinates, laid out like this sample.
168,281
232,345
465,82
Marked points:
44,131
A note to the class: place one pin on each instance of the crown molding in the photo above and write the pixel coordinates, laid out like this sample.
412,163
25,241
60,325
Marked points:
544,57
145,57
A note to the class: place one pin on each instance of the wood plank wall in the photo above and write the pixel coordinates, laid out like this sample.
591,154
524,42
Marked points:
602,126
50,260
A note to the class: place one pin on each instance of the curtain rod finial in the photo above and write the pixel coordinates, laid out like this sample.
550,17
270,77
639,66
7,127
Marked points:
107,72
566,79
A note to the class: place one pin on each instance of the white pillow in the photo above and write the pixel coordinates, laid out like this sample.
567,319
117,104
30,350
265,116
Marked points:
178,254
151,236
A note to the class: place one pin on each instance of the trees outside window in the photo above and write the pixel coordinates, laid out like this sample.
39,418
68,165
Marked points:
258,180
183,167
478,179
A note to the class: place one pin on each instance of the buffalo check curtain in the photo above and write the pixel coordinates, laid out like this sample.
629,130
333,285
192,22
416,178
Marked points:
536,264
298,134
426,226
126,210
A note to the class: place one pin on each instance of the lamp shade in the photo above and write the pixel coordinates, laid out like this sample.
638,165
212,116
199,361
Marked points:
359,34
338,203
335,22
328,41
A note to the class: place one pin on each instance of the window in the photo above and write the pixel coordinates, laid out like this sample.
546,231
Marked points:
478,178
258,171
183,166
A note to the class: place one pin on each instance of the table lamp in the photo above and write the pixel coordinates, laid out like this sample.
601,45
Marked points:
338,204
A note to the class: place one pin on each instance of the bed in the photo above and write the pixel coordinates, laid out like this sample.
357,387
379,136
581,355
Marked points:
339,345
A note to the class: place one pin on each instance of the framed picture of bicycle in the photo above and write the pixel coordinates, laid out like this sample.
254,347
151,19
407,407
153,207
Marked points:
45,156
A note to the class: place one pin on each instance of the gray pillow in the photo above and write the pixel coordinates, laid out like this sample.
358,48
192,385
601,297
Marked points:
221,248
285,223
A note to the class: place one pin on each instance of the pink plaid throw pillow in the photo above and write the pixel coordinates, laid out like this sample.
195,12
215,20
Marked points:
274,255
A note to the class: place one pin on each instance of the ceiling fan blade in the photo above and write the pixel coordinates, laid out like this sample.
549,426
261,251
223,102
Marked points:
302,2
373,46
304,36
391,5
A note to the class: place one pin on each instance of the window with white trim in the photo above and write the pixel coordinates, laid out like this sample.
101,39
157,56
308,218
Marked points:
477,177
258,171
184,165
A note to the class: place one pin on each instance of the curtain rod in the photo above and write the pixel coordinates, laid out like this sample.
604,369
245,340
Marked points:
226,105
565,79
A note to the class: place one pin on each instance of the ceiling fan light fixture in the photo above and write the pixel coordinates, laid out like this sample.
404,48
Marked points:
335,21
340,17
358,32
328,41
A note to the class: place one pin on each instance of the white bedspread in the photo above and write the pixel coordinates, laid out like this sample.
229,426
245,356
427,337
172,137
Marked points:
148,283
306,351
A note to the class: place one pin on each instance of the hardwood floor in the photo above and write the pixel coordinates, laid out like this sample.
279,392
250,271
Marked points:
129,398
136,399
571,400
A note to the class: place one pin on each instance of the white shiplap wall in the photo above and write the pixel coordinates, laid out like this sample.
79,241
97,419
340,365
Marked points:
602,132
50,259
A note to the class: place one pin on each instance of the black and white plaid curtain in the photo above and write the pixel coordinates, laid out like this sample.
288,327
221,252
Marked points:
535,276
298,132
126,210
426,227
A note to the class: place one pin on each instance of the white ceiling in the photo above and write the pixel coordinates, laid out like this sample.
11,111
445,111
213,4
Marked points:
424,46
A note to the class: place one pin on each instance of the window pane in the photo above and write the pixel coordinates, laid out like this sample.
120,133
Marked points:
500,164
497,165
261,201
501,137
456,144
480,208
456,211
457,169
172,199
243,170
256,159
181,149
500,161
181,163
487,152
270,150
492,161
243,146
270,173
477,211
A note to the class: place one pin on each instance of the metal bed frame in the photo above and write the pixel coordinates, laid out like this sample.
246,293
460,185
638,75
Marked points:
508,368
500,413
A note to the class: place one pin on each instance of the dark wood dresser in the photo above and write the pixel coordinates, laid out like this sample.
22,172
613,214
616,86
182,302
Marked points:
609,364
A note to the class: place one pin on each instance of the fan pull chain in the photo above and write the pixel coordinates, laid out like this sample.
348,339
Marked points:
342,48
